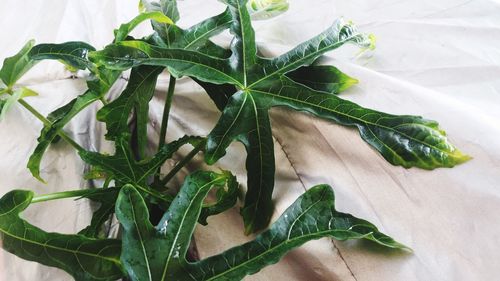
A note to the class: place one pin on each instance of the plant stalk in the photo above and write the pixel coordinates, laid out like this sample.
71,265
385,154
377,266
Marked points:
164,119
182,163
46,122
61,195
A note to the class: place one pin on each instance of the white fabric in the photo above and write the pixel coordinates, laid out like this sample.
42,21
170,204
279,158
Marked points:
436,58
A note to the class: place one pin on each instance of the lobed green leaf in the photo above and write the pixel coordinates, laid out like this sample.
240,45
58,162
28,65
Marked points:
86,259
16,66
158,252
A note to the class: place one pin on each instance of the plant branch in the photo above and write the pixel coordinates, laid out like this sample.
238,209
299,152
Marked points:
61,195
182,163
46,122
166,113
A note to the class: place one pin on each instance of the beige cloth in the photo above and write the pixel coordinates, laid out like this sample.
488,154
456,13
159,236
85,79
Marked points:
436,58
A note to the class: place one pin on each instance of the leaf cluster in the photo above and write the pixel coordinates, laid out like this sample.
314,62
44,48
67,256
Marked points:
244,86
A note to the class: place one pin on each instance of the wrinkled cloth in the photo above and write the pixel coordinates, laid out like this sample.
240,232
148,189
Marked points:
435,58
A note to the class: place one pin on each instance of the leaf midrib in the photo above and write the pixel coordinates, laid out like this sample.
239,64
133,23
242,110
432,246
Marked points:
115,261
299,61
352,117
172,246
283,243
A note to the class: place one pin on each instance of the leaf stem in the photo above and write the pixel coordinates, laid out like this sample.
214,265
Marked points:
164,119
61,195
103,100
182,163
46,122
166,111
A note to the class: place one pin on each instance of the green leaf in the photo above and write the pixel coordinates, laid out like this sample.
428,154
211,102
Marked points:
158,253
311,216
127,54
338,34
59,119
126,170
73,54
408,141
265,9
169,8
324,78
136,96
14,67
124,29
99,83
149,252
226,198
261,83
84,258
12,99
107,198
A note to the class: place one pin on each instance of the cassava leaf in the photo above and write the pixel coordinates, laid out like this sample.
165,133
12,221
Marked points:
12,99
107,198
84,258
151,252
261,83
125,170
73,54
14,67
226,198
124,29
324,78
136,96
99,83
127,54
169,8
59,119
409,141
158,253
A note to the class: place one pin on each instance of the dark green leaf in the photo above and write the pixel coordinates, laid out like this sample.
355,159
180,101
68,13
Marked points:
169,8
107,198
158,253
122,166
84,258
127,54
312,216
338,34
261,84
409,141
59,119
99,84
324,78
17,95
140,90
226,199
14,67
73,54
